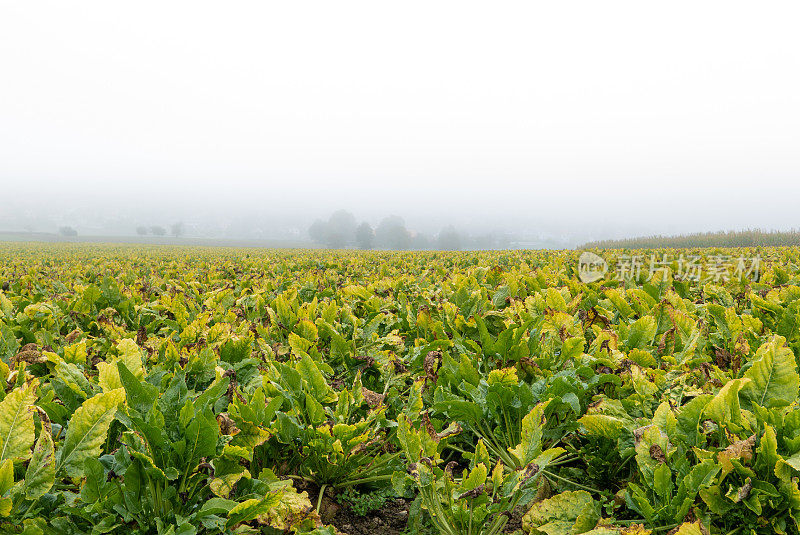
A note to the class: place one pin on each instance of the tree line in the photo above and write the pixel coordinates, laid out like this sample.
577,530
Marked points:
176,229
342,230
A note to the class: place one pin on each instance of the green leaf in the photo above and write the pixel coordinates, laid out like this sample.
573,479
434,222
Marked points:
700,477
318,386
618,299
251,509
200,433
767,455
774,381
6,306
91,294
554,300
141,396
41,473
17,432
662,481
216,506
476,478
637,500
33,526
8,341
689,419
460,410
602,425
6,476
92,489
531,444
724,408
315,410
236,350
641,333
87,431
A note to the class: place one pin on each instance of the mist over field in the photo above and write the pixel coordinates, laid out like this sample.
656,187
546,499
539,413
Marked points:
432,268
534,125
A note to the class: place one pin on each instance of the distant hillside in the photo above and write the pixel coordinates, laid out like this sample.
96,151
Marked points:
744,238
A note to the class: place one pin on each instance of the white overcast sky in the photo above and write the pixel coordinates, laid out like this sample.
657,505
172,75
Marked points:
648,116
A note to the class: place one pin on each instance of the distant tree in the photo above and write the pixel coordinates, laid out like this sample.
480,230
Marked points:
317,231
484,241
156,230
449,239
177,229
341,229
420,242
67,231
392,234
365,236
141,231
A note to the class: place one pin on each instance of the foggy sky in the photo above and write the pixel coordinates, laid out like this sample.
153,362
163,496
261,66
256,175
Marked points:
599,119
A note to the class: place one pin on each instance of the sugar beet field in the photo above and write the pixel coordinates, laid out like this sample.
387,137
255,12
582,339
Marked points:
182,391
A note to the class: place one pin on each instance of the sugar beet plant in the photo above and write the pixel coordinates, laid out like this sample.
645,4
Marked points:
203,391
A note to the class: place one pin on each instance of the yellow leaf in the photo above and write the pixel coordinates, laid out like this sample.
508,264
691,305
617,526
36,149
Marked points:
130,355
16,423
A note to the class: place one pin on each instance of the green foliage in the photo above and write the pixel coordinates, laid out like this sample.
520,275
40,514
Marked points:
362,503
194,391
477,502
